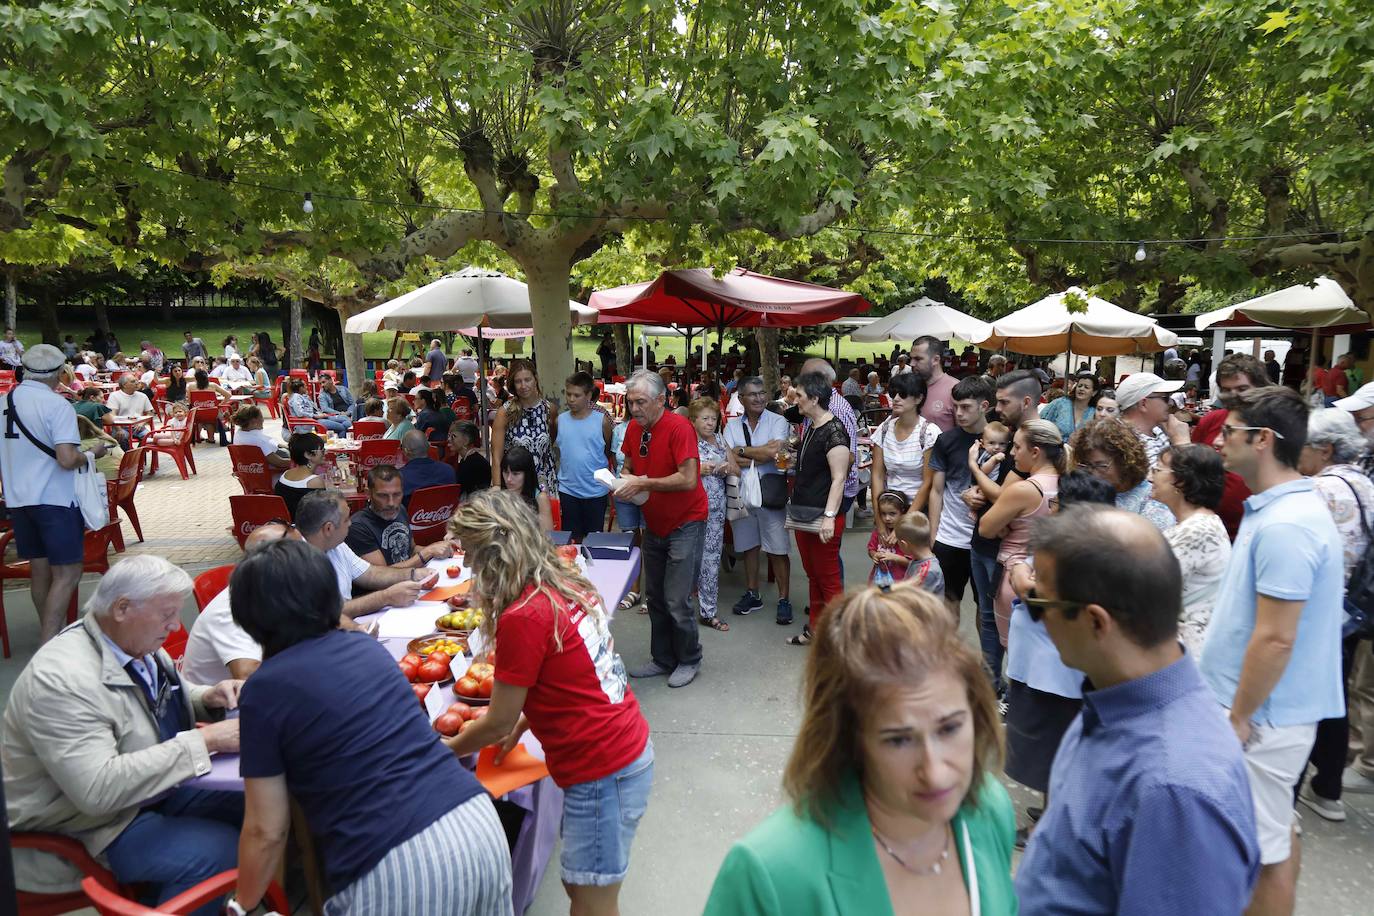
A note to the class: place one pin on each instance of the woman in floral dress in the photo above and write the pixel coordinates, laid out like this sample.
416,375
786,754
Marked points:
716,464
524,420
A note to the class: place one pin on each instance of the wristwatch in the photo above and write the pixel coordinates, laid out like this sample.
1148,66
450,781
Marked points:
830,514
739,451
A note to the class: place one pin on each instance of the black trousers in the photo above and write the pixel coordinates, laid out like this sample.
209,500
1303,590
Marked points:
1333,735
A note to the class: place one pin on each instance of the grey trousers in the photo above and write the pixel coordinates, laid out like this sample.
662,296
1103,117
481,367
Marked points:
670,574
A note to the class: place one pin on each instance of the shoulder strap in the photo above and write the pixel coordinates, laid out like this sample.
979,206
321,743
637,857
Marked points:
12,419
1359,503
1038,488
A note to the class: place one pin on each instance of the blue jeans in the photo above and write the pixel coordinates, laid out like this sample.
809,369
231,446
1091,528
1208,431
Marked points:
600,819
336,422
191,835
986,570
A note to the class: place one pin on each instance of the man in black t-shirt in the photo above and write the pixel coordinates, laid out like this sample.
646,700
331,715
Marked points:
951,519
380,533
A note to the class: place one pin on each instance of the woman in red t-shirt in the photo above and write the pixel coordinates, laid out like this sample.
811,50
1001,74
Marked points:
558,674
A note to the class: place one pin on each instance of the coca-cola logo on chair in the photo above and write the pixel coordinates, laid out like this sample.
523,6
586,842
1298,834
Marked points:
434,516
252,468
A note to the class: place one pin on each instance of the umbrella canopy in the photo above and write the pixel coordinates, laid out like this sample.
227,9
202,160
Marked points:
922,318
741,298
1047,328
1321,305
466,300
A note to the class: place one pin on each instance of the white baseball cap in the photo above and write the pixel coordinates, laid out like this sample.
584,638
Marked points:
1362,398
1136,388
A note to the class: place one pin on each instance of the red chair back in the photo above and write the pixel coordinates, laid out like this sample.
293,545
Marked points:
300,373
69,850
251,469
368,429
175,643
430,510
130,473
210,583
373,452
251,512
556,513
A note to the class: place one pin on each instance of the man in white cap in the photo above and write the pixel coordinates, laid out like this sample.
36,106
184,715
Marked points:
1360,405
1144,402
236,375
40,450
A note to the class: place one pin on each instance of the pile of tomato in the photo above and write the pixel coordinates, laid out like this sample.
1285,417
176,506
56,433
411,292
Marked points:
458,717
477,682
422,671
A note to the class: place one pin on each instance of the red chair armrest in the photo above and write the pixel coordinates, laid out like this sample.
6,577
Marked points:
108,901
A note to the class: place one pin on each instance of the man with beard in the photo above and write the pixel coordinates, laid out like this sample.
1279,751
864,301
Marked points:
380,533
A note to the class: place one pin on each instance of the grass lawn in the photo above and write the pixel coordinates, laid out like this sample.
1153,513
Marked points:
375,346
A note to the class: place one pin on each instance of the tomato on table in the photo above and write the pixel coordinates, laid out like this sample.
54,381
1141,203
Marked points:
433,671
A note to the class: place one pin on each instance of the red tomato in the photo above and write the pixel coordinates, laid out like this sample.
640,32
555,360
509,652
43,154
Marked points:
410,670
449,724
433,671
420,691
413,658
455,571
486,685
442,658
465,724
461,709
479,711
467,686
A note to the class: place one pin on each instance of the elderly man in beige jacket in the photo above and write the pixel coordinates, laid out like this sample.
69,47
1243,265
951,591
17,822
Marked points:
100,733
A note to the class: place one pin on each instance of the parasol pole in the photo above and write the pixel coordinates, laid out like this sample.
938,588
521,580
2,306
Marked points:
1312,356
1068,355
482,394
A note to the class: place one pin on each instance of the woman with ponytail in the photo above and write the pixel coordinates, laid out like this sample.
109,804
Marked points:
558,674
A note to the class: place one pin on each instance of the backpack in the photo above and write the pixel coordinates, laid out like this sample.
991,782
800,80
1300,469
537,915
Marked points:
1359,589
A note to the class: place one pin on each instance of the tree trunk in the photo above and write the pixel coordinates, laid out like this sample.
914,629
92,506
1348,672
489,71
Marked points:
47,318
351,348
293,335
102,317
548,279
624,350
11,299
165,306
769,364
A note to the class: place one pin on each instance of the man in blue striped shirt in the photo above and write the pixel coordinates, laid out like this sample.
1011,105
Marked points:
1149,808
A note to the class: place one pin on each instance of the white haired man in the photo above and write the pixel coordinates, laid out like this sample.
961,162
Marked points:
101,733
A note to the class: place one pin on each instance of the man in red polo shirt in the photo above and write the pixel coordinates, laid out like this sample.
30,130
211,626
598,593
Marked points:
661,460
1236,374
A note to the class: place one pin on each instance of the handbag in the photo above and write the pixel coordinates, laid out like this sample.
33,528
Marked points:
91,493
1359,589
772,487
735,508
804,518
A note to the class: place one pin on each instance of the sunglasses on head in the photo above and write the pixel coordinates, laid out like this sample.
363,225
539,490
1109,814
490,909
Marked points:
644,443
1036,606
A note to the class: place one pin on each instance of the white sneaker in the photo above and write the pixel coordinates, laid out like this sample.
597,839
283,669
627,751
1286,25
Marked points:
1354,781
1329,809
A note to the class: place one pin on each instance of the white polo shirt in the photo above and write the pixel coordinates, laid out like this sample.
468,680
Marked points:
31,477
129,405
770,426
215,641
347,567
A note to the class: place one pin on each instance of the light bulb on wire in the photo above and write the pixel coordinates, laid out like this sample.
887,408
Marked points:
309,205
1139,252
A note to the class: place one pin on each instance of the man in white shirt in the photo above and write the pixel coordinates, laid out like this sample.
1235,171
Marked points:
467,366
12,353
85,370
218,648
236,375
248,419
39,472
322,519
128,401
759,443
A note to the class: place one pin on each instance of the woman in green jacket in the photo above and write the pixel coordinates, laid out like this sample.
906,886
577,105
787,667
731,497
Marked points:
894,805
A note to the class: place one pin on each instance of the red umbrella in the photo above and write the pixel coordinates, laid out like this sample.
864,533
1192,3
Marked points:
741,298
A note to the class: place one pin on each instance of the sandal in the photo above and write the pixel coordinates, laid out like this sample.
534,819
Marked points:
629,601
802,639
715,623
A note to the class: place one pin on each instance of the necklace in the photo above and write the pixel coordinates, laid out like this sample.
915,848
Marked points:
933,869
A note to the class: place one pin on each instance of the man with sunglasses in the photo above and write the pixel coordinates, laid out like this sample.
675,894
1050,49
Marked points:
1273,648
661,459
1149,807
1144,402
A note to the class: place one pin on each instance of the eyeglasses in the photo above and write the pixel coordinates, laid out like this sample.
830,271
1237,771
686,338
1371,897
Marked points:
1099,467
1036,606
644,443
1227,429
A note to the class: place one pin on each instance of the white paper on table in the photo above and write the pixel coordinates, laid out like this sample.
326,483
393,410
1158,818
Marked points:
459,664
435,703
410,622
444,578
475,643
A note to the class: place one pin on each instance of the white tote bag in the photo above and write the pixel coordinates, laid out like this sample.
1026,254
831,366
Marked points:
92,496
750,489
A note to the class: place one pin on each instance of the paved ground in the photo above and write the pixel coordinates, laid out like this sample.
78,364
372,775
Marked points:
721,743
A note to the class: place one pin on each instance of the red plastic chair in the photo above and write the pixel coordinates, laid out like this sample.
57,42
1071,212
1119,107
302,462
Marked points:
251,469
205,413
269,401
377,451
252,512
556,510
179,451
95,558
121,491
368,429
210,583
109,902
68,849
430,510
175,643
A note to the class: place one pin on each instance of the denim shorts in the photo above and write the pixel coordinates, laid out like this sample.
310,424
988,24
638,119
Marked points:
628,516
599,822
54,533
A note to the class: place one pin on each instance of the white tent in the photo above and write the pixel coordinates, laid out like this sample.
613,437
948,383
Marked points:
463,301
1323,304
924,317
1047,328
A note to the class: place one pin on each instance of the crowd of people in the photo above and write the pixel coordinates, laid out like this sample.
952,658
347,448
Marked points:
1163,641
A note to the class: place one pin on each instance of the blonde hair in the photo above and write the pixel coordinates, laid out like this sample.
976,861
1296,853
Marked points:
508,551
512,406
997,428
869,640
699,406
1045,436
914,528
86,427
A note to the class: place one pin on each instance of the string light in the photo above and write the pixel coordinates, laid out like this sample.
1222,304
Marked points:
309,205
1140,252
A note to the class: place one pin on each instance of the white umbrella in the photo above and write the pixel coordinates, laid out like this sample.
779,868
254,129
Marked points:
1323,304
922,318
1047,328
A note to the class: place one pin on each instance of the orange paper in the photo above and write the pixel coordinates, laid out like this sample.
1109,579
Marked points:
446,592
520,768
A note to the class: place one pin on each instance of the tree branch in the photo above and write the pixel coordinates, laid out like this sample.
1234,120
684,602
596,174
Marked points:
1216,207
